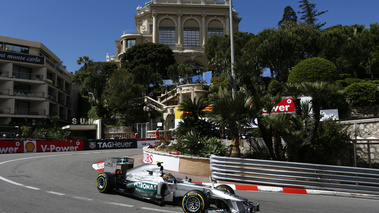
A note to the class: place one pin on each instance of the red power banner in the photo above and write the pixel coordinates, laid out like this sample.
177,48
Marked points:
7,147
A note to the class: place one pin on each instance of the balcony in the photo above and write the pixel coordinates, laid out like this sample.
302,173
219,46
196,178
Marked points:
4,74
5,110
26,111
29,94
49,81
5,92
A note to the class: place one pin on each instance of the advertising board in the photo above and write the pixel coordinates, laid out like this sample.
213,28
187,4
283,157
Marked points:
111,144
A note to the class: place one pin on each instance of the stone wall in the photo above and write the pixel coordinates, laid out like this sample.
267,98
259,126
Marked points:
366,131
363,112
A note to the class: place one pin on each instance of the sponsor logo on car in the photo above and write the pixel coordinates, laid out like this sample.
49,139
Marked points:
146,186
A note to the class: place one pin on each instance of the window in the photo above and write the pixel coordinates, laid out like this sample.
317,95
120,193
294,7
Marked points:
21,72
191,37
167,36
131,43
24,88
1,46
22,107
151,29
215,31
16,48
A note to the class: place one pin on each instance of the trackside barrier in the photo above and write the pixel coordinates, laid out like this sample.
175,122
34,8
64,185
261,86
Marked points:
295,175
10,146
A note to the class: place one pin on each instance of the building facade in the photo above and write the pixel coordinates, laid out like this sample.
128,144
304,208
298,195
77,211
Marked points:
34,86
184,25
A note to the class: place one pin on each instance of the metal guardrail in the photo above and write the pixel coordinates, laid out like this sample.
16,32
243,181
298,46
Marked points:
296,175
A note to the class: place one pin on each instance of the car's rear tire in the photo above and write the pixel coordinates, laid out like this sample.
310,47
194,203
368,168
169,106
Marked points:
195,202
105,182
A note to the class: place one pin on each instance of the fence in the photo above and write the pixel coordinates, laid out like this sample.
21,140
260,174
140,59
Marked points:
366,149
296,175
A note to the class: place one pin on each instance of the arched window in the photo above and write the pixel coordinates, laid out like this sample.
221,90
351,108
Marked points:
167,32
215,28
191,34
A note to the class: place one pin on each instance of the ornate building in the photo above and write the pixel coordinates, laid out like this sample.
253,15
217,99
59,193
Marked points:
184,25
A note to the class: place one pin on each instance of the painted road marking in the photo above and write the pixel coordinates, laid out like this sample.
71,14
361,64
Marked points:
55,193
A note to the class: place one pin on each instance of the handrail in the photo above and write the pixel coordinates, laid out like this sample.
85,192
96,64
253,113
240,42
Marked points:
297,175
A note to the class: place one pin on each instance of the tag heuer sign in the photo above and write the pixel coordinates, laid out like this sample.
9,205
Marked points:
92,145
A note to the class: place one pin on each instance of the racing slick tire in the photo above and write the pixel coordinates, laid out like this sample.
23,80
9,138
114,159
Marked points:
105,182
195,202
219,203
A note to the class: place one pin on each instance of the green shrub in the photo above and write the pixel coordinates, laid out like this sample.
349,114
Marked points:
348,81
213,146
312,70
274,87
362,94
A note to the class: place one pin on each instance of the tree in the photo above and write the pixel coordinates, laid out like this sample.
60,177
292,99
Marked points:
319,91
232,115
310,14
289,18
193,118
155,55
313,69
217,50
362,94
277,49
85,60
277,123
125,97
179,70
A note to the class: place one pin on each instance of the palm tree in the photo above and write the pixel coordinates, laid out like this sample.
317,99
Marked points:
193,112
277,124
232,115
85,60
319,91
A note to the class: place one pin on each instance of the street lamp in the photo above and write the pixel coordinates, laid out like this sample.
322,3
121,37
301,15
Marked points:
232,47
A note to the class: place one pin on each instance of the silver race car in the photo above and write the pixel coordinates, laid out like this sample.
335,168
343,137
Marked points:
148,181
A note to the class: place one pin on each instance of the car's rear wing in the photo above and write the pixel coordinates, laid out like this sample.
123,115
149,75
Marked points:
113,164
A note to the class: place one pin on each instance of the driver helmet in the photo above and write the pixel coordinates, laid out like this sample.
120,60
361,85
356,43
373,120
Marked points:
168,177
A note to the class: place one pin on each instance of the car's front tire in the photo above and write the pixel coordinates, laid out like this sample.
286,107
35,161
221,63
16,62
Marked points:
220,203
195,202
105,182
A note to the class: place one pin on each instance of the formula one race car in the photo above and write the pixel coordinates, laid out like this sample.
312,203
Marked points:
148,181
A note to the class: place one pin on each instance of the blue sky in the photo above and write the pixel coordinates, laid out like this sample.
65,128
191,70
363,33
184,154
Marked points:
75,28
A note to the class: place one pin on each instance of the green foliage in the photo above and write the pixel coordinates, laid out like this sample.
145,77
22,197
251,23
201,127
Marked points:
194,144
155,55
179,70
289,18
213,146
191,143
313,69
362,94
333,139
124,98
274,87
337,101
310,14
348,81
36,132
193,118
